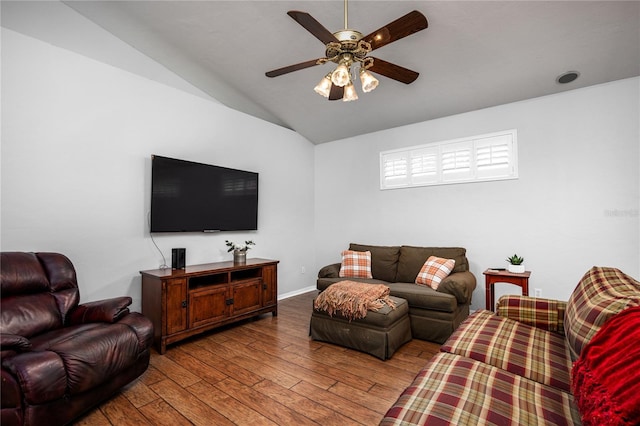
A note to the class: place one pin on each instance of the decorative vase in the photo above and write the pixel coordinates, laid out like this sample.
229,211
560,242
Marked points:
239,257
516,269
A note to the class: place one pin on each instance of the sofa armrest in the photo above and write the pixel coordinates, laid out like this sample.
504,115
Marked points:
108,310
142,327
547,314
460,285
330,271
13,342
41,375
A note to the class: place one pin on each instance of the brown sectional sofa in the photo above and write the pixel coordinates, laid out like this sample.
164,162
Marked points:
434,314
538,362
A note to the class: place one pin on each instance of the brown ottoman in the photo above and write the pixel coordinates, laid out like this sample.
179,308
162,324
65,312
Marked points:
380,333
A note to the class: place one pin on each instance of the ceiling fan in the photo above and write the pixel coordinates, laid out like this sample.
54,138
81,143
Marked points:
348,47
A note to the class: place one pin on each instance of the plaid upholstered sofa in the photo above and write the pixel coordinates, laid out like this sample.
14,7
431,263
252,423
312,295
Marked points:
538,362
434,314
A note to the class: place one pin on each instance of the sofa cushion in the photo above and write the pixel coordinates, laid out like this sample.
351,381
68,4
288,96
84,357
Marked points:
519,348
454,390
355,264
22,273
601,293
606,377
423,297
412,259
30,314
434,270
384,260
91,353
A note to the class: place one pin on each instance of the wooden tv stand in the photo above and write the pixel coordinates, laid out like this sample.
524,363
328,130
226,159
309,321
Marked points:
185,302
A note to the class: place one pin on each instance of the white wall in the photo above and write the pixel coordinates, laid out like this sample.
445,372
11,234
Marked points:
574,205
77,140
77,136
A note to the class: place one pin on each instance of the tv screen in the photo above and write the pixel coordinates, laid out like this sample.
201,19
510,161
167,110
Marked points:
194,197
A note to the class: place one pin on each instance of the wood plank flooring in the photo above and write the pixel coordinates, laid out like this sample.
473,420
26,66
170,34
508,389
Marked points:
264,372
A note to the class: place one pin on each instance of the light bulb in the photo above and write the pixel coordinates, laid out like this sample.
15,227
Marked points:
340,76
324,87
349,93
369,82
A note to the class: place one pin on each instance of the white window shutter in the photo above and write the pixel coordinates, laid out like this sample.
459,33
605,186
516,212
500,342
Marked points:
395,169
424,166
494,156
457,161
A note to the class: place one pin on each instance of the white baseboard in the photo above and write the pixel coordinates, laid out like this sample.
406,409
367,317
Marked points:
296,292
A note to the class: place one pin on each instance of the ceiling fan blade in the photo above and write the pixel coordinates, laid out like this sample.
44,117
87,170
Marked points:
313,26
410,23
336,92
292,68
393,71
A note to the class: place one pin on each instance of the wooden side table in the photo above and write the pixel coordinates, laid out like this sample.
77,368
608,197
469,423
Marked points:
493,276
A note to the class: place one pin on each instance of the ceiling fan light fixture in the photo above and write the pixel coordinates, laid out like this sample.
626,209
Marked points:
323,88
349,47
349,93
369,82
340,77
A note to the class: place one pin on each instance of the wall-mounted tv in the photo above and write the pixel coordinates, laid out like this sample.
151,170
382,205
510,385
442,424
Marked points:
194,197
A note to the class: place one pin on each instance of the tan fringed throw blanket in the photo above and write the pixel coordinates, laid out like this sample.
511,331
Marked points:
353,299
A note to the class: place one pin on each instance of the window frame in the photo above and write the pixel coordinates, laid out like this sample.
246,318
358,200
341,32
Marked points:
478,158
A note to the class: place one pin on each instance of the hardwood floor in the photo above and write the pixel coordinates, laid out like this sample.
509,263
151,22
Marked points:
264,372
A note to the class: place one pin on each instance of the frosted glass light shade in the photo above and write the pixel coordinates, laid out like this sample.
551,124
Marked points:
340,77
369,82
324,86
349,93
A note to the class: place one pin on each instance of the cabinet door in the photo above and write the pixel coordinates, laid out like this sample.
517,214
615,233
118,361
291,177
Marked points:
208,305
176,305
246,296
269,285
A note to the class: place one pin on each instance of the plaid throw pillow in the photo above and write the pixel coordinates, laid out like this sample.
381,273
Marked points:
355,264
434,270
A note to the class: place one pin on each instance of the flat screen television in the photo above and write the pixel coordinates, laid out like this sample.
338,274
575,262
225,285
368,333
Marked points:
194,197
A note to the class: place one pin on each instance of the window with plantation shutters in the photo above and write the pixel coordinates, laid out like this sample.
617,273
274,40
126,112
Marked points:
494,156
478,158
456,161
395,170
424,166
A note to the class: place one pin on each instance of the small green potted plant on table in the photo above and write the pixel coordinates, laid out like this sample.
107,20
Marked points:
516,264
239,251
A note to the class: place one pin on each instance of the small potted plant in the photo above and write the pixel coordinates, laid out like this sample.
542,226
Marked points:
239,250
516,264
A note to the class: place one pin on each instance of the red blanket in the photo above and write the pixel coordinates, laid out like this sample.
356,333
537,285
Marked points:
606,377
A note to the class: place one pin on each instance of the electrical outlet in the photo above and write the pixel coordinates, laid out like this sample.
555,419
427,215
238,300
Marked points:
537,292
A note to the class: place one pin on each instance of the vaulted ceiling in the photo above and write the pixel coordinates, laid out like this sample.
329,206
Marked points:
474,54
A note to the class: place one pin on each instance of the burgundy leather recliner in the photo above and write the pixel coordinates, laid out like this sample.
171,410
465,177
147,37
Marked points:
61,358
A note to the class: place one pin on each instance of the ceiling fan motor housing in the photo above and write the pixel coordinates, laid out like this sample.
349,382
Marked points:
350,44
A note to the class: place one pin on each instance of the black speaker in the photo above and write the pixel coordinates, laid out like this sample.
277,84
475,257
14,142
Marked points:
177,258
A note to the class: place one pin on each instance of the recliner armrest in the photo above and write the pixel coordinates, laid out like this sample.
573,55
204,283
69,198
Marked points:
460,285
41,375
330,271
108,310
13,342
